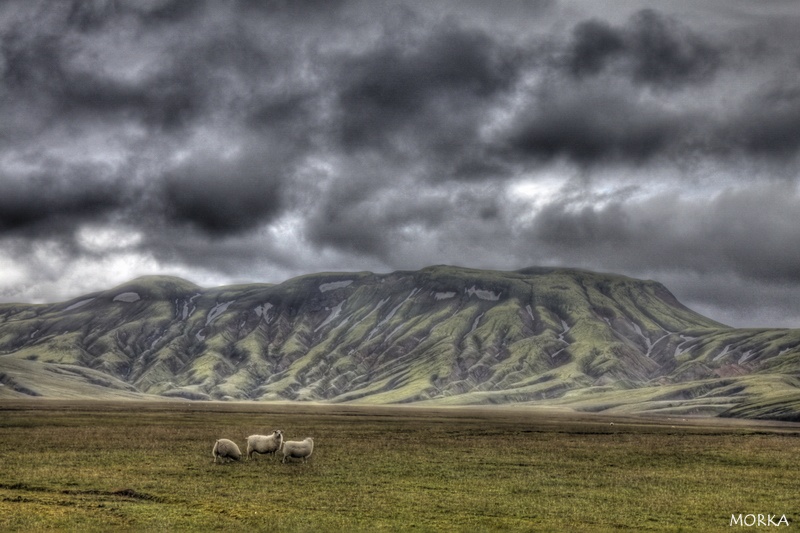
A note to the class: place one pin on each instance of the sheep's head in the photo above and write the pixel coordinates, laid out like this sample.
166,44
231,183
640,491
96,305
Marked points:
278,433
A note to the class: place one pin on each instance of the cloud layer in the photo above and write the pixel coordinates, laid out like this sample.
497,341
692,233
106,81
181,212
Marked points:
255,141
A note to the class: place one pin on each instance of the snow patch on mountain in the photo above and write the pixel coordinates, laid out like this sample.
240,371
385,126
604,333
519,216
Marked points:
186,311
679,350
482,294
722,354
76,305
746,356
335,312
391,313
262,311
216,311
647,341
475,322
127,297
325,287
377,307
565,329
529,309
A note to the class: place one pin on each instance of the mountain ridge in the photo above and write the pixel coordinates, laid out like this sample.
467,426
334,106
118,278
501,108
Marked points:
439,335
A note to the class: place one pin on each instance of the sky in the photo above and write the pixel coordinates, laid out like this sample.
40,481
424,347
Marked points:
254,141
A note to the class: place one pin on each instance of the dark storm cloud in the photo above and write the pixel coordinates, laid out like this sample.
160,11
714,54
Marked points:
652,48
620,95
595,42
768,123
355,230
245,138
349,214
40,71
396,81
750,233
56,199
93,15
181,86
428,97
594,107
163,101
223,197
377,223
732,256
591,127
181,70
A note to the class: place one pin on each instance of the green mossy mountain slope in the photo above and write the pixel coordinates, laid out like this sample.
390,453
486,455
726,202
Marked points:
442,335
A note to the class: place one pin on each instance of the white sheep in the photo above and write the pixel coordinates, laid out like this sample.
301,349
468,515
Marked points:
226,449
300,449
264,443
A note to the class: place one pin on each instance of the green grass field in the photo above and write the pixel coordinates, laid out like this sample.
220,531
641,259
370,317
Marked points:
125,466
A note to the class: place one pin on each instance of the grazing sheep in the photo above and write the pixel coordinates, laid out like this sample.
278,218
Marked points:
264,443
226,449
300,449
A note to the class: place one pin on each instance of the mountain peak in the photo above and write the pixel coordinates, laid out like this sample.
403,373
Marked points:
442,334
157,287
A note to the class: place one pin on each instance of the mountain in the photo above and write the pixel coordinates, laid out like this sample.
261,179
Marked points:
440,335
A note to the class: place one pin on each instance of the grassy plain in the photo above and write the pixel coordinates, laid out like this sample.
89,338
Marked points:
145,466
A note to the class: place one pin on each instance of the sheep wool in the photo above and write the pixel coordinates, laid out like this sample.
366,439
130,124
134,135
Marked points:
264,444
298,449
226,449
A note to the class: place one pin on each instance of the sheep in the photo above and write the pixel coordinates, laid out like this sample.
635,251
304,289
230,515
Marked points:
298,449
226,449
264,443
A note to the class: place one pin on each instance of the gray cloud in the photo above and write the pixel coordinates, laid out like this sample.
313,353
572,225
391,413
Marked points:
768,123
748,233
56,198
398,84
260,140
592,127
423,99
49,68
651,48
223,197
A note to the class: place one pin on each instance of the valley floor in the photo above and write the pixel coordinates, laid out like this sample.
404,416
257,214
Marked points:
143,466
